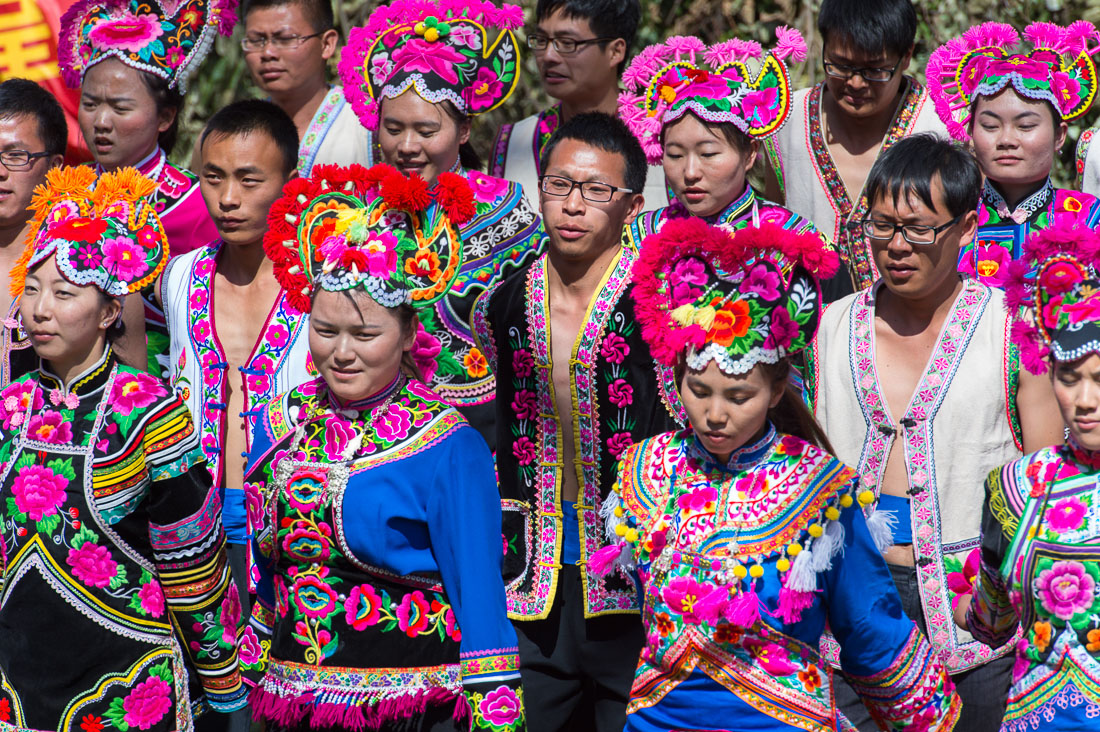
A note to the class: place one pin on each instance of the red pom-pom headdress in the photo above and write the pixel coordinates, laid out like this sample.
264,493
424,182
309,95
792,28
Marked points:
741,298
372,228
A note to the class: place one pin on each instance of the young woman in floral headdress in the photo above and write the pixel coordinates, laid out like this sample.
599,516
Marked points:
1013,104
112,554
372,502
743,528
416,75
1039,582
132,61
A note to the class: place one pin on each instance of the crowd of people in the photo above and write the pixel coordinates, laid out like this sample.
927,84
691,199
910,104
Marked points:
344,428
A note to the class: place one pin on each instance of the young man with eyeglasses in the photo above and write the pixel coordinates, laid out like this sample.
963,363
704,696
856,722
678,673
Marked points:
287,46
819,160
918,387
32,140
580,47
576,386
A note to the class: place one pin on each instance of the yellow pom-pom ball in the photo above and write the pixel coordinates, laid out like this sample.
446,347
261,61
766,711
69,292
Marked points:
632,535
866,498
431,35
620,530
740,572
794,550
783,564
419,28
756,571
846,500
619,511
816,530
832,513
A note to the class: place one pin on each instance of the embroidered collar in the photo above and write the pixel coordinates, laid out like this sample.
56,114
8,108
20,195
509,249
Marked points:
1087,461
86,382
1037,201
747,456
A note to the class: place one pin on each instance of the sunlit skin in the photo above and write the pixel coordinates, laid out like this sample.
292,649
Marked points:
855,97
725,411
241,177
705,171
1015,141
420,137
118,115
67,324
16,186
587,80
1077,389
356,343
286,72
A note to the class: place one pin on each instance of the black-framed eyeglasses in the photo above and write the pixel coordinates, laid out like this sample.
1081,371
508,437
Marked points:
564,46
257,43
19,159
593,191
877,75
918,234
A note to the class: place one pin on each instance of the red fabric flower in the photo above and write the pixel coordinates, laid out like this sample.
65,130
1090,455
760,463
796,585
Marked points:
456,197
408,194
79,229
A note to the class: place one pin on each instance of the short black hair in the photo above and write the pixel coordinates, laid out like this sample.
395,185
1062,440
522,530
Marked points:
24,98
606,133
256,115
607,18
911,165
317,12
871,26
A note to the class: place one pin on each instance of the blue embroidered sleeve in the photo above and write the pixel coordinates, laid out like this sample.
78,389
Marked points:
464,522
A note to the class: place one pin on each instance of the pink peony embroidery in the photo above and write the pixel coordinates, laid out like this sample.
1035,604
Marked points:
464,35
614,348
49,427
413,614
394,424
39,491
92,565
128,32
760,108
763,282
338,433
620,393
363,607
230,615
152,599
16,399
313,597
380,68
701,498
500,707
962,583
1066,515
485,90
1066,589
782,332
147,703
135,391
486,187
249,650
696,602
430,58
425,351
124,259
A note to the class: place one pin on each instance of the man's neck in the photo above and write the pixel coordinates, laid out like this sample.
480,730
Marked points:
13,236
578,280
301,104
910,316
608,103
858,134
1015,194
244,264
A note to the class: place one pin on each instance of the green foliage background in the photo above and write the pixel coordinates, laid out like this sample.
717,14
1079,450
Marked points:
224,77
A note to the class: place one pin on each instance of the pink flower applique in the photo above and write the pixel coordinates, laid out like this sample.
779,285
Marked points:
485,90
124,258
763,282
17,399
614,348
961,583
92,564
127,32
525,405
1066,589
524,450
249,649
363,607
151,597
394,424
760,108
381,67
147,703
500,707
699,499
487,188
620,393
429,58
696,602
135,391
1066,515
50,427
413,614
523,363
39,491
782,332
277,335
618,443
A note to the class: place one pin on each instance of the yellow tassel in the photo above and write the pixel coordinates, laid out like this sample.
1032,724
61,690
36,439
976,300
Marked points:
683,314
704,317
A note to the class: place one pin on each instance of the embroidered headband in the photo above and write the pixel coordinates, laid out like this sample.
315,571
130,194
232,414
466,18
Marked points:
986,59
440,48
667,80
104,232
740,298
168,39
347,227
1056,314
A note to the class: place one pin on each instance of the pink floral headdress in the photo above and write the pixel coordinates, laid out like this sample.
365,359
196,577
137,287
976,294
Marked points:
168,39
102,230
1053,295
440,48
741,298
986,59
666,81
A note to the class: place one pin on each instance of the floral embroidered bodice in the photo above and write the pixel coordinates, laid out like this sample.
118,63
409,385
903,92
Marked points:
111,551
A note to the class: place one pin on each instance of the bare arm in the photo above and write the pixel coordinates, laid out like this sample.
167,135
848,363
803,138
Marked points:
1040,419
130,347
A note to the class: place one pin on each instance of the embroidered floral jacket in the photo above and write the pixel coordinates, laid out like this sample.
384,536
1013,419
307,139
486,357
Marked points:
334,136
17,356
619,396
505,235
1001,233
720,550
1040,573
112,564
376,528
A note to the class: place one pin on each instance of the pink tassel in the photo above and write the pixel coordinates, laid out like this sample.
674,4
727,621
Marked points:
604,560
744,610
792,603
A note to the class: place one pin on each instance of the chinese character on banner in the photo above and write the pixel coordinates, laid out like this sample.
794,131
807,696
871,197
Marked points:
28,49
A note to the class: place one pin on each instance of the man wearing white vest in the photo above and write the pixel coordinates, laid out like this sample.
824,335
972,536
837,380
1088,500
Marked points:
918,387
820,159
580,47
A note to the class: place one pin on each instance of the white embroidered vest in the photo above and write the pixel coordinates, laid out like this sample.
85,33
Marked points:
958,426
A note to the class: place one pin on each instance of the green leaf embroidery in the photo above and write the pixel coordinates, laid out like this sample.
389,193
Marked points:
119,579
48,524
163,670
117,714
135,604
25,460
63,467
14,512
83,536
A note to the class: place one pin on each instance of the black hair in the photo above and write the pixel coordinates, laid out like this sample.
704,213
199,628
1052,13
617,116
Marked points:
871,26
24,98
317,12
165,98
606,133
606,18
257,115
911,165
